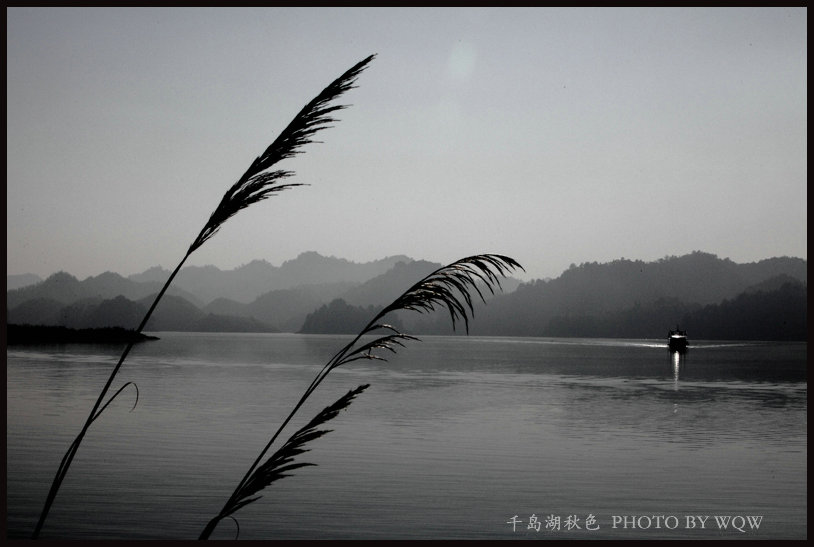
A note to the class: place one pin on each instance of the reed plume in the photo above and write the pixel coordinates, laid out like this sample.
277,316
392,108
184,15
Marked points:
256,184
280,464
450,286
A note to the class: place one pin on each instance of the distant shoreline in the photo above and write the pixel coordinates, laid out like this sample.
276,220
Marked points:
40,334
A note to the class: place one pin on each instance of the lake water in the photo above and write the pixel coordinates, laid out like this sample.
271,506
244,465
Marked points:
457,438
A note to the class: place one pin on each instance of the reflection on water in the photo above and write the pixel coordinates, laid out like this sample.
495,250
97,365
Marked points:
454,437
676,358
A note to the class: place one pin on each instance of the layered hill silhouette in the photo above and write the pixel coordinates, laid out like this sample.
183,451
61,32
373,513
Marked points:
279,298
627,298
713,298
246,283
64,288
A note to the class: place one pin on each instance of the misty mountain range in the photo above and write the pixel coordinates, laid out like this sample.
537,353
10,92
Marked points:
246,283
711,297
256,297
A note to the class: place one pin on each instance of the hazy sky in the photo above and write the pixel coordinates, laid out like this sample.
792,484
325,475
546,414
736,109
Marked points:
555,136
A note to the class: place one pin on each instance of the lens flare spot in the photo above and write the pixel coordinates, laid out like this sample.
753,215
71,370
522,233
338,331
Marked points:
462,60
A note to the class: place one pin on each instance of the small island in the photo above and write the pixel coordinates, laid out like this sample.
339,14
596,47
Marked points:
41,334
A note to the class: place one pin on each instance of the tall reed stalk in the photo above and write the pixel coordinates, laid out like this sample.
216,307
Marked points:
256,184
449,286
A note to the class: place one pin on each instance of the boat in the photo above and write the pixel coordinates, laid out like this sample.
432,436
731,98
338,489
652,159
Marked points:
677,340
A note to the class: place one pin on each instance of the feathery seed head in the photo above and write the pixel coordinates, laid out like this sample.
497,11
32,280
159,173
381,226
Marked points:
256,183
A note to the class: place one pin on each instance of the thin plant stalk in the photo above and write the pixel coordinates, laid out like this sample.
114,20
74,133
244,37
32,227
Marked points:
449,286
256,184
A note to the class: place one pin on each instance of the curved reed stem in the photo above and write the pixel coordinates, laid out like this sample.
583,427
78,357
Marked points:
62,471
448,286
255,185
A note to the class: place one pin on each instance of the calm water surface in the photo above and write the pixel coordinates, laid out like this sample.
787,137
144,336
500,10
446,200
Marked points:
456,438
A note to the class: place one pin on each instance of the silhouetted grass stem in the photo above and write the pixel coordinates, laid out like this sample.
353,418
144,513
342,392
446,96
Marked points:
256,184
69,455
447,286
